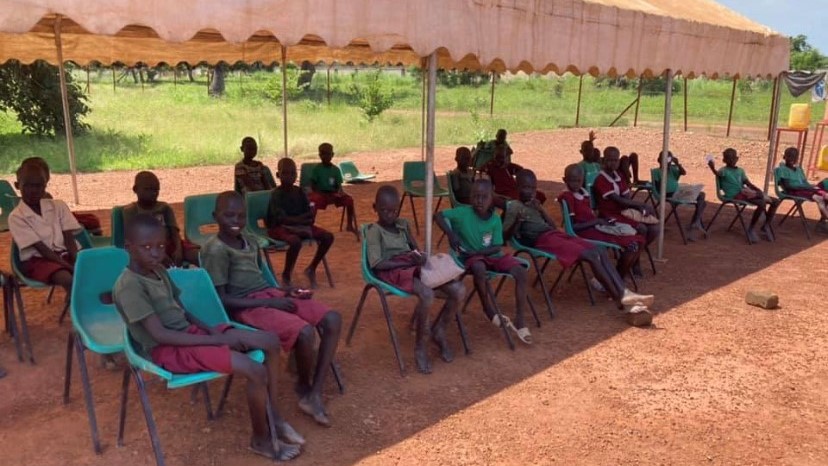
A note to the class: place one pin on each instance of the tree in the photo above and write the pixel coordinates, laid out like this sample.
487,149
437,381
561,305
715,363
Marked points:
217,84
804,56
32,92
374,97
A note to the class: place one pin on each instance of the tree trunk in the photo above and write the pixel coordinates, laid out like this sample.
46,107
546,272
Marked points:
306,76
217,85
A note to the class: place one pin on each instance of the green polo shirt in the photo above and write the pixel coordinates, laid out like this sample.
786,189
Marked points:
475,233
795,177
731,181
326,179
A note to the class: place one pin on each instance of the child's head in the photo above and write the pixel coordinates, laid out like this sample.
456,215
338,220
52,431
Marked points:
500,137
573,177
249,148
230,213
286,171
41,162
31,181
463,157
669,157
586,151
527,184
387,205
596,155
730,157
791,156
146,242
612,156
481,196
146,187
326,153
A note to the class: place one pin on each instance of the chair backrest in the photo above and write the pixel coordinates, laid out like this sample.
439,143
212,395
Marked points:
198,295
117,226
198,212
256,203
566,219
368,274
268,275
17,268
450,188
655,176
99,325
305,172
8,198
414,176
349,170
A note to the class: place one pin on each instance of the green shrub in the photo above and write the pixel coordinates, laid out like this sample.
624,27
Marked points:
373,97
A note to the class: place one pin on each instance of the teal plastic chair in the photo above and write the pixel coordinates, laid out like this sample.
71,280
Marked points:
96,325
738,205
8,200
198,296
257,204
655,175
268,176
414,186
198,212
117,226
351,174
796,200
20,334
384,290
22,280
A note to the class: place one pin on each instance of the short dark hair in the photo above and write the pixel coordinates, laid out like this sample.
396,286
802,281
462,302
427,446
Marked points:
142,221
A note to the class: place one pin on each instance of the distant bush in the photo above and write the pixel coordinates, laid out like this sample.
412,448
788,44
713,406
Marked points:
373,97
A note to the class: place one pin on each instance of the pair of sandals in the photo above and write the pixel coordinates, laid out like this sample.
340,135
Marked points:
522,333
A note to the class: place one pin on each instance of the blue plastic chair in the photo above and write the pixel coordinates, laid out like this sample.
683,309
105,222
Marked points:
796,200
22,280
198,212
414,186
198,296
96,326
351,174
384,290
256,204
8,200
738,205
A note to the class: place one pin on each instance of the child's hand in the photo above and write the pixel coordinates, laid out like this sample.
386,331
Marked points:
592,135
711,164
283,304
454,242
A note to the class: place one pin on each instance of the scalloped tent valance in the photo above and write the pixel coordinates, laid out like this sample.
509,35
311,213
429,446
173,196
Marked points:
631,37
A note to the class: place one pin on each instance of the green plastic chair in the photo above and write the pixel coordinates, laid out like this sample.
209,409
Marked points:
96,326
655,175
257,204
796,200
351,174
383,290
414,186
117,226
198,296
268,175
8,201
738,205
20,334
22,280
198,212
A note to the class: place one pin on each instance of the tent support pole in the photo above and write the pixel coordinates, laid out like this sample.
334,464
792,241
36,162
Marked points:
328,81
88,88
429,178
623,112
491,100
284,99
774,124
637,100
112,68
425,76
67,117
578,106
662,206
685,104
773,104
730,112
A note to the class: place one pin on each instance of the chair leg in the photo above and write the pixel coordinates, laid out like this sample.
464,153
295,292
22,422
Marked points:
357,313
788,214
50,295
342,219
337,374
674,212
24,328
715,215
802,217
123,409
11,321
327,272
67,378
63,313
464,338
87,394
586,283
546,296
151,428
208,406
506,334
742,222
391,331
469,297
650,258
540,272
224,392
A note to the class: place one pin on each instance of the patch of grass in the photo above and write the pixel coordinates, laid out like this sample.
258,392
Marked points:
173,125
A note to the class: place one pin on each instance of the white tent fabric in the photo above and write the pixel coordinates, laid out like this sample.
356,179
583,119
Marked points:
597,36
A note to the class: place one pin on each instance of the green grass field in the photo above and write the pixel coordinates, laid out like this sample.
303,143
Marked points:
169,125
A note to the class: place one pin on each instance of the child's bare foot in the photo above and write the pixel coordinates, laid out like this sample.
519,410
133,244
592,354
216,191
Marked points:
766,230
438,336
752,237
287,433
311,275
266,448
421,357
312,406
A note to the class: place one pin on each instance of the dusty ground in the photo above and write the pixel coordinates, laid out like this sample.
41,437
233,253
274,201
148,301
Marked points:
713,382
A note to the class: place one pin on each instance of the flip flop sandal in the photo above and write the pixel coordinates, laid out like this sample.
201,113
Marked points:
522,333
496,321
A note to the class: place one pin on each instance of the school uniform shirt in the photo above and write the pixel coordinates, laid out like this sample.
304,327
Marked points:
591,170
251,177
606,185
382,244
475,233
286,201
503,177
673,175
731,180
236,269
461,184
161,211
28,228
326,179
137,297
532,226
795,176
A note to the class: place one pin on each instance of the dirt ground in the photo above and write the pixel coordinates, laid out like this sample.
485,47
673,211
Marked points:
714,381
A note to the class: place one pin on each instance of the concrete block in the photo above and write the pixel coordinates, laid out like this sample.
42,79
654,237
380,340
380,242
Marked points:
763,299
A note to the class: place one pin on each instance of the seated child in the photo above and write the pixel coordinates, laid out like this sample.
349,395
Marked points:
462,177
500,141
591,163
326,187
793,182
502,175
476,234
736,186
290,218
675,171
171,337
232,260
146,188
584,221
252,175
44,230
527,220
394,257
90,222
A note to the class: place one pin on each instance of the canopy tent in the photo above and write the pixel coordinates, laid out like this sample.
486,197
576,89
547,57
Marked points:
629,37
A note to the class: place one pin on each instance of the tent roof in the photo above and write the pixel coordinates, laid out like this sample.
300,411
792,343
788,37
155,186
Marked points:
597,36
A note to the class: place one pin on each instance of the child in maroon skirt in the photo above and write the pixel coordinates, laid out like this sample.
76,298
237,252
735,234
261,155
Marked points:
394,257
584,220
232,260
793,182
167,334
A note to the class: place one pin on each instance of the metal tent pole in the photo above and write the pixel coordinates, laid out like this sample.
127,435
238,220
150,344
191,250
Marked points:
578,107
774,124
730,112
662,210
425,76
491,100
685,104
284,99
67,118
637,100
429,175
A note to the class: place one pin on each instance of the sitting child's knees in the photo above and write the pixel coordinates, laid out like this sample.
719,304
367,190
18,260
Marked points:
456,290
332,319
478,268
518,272
305,335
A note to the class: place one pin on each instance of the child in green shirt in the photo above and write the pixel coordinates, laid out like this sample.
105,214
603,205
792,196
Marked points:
793,182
